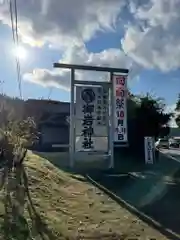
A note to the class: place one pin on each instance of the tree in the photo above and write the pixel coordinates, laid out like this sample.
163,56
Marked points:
177,109
146,117
16,133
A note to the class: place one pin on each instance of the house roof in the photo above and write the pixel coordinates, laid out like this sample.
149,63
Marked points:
33,106
45,101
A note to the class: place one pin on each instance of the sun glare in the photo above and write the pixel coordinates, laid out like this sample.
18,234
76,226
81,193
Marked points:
20,52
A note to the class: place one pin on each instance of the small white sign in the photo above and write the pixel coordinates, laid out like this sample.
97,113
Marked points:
149,150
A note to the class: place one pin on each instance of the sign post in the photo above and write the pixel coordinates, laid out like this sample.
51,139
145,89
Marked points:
120,109
71,132
92,120
149,149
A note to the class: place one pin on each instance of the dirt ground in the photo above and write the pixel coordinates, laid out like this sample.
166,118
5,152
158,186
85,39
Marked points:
58,204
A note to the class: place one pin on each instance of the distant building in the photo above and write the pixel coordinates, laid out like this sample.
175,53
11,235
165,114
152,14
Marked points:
52,118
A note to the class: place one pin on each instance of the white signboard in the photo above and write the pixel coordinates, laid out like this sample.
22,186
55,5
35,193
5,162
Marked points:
149,150
91,118
120,108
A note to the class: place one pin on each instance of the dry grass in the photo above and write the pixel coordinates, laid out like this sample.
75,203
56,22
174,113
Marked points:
63,207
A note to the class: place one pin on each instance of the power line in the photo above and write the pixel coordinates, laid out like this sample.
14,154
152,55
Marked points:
16,21
17,43
14,28
12,22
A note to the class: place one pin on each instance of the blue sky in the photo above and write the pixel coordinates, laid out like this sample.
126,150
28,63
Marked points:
138,36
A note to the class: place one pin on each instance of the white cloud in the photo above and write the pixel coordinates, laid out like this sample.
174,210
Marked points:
79,55
153,40
63,23
159,13
152,48
171,109
49,78
67,25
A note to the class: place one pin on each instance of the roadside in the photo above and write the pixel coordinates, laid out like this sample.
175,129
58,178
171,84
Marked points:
83,209
60,205
153,190
172,152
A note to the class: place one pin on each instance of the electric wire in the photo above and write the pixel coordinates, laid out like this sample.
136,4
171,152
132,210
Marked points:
14,29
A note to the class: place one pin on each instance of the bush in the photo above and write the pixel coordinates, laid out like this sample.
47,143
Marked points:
16,133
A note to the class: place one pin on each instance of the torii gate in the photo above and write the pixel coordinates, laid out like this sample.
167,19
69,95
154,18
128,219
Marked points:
109,83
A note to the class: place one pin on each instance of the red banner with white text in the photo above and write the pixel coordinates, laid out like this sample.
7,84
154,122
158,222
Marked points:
120,108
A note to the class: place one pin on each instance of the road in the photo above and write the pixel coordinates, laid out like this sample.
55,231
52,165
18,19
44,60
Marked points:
175,153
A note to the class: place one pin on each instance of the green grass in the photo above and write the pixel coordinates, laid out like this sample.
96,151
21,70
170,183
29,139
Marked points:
61,205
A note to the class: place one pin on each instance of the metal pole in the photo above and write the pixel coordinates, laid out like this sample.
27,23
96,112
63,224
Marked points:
111,165
71,137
